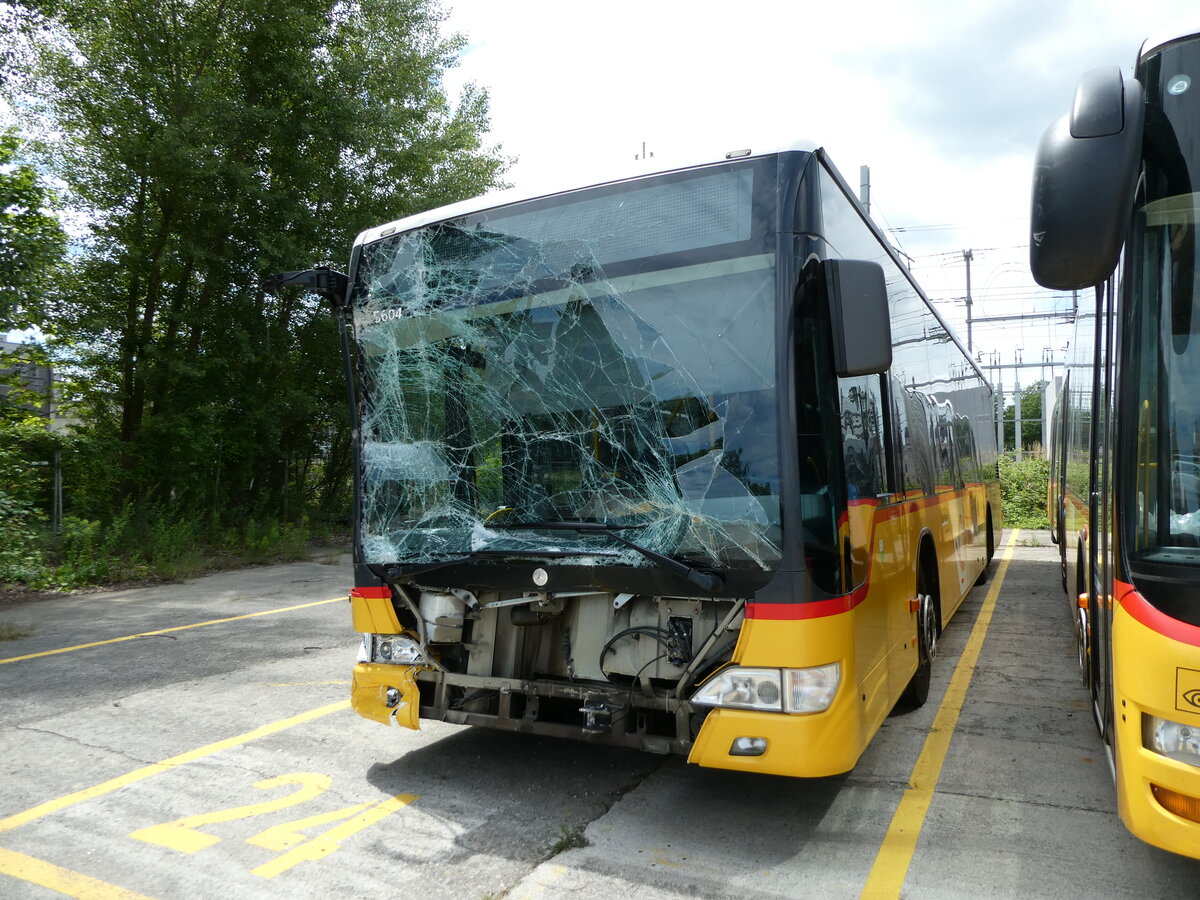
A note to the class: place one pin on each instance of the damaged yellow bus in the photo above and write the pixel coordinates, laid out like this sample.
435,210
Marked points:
684,462
1114,208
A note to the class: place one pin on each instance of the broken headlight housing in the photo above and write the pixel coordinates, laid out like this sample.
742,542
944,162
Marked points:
397,649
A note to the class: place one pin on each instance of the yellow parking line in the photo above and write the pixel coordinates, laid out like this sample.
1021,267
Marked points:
130,637
896,852
543,877
73,884
166,765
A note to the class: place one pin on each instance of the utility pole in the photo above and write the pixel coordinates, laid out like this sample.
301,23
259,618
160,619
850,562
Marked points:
864,188
999,412
1017,416
969,255
56,514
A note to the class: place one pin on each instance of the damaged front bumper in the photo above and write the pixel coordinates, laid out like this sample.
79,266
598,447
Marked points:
386,693
601,714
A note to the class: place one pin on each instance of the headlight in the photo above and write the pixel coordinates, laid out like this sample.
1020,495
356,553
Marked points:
743,689
395,648
1174,740
773,690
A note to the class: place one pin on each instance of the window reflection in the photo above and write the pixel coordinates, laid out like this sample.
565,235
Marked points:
933,430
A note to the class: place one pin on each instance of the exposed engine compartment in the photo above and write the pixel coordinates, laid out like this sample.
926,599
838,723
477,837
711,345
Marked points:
617,666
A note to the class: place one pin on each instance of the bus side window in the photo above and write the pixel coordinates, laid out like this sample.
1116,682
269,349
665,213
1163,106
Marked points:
862,437
863,451
918,446
944,446
968,459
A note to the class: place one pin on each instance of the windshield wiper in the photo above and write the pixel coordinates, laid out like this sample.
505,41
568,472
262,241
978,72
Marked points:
687,570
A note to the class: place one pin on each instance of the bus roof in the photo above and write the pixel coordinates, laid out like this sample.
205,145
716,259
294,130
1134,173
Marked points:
1160,39
532,191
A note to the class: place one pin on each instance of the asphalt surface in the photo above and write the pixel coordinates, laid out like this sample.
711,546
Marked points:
218,758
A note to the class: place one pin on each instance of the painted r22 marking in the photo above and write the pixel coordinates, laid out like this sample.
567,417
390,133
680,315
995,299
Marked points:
183,835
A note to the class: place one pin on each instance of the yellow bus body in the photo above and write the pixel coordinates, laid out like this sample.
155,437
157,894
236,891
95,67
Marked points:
1152,673
875,642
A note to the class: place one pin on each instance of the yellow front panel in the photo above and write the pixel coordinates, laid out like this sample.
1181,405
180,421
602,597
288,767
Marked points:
374,615
1149,670
816,744
875,642
808,746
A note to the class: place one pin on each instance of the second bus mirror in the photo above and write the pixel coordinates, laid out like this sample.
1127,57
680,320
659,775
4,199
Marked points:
858,312
1083,183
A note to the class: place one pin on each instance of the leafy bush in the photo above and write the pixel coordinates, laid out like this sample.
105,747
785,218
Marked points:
1023,487
152,545
20,554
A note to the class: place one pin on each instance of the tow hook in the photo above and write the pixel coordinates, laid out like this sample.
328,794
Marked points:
598,718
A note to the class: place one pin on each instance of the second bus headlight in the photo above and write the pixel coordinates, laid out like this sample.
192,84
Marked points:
1173,740
772,690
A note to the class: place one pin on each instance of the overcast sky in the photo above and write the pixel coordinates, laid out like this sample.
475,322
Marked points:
945,101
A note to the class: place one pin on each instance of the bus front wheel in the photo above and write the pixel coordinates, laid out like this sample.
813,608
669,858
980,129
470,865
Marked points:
917,691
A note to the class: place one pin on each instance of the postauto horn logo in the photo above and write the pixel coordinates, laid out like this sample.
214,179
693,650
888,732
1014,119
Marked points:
1192,697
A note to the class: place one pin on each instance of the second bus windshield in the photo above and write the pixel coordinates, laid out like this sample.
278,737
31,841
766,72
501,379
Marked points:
1163,349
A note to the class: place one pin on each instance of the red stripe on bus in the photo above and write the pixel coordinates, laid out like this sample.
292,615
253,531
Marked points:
836,606
383,591
814,609
1135,604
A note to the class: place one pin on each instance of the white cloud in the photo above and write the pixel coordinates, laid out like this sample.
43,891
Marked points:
944,100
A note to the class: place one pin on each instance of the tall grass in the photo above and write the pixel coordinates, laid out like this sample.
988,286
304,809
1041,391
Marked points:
136,545
1023,490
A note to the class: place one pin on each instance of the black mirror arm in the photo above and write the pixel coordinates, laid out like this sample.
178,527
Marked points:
322,280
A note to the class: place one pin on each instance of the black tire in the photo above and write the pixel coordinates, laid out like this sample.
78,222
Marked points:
917,691
991,551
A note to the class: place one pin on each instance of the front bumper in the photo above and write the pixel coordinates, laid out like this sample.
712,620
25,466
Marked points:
386,693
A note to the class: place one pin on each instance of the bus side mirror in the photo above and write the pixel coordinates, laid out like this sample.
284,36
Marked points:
858,311
1084,179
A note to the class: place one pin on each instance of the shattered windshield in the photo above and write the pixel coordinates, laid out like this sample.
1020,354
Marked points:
602,357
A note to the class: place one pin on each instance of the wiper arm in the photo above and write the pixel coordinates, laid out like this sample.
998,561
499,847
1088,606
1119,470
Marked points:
407,570
689,571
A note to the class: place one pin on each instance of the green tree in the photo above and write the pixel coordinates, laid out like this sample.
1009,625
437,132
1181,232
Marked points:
208,143
1031,418
31,240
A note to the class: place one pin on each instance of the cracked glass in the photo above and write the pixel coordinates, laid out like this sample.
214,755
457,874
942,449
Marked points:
603,358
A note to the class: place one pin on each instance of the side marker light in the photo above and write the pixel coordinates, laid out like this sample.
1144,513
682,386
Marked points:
1180,804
